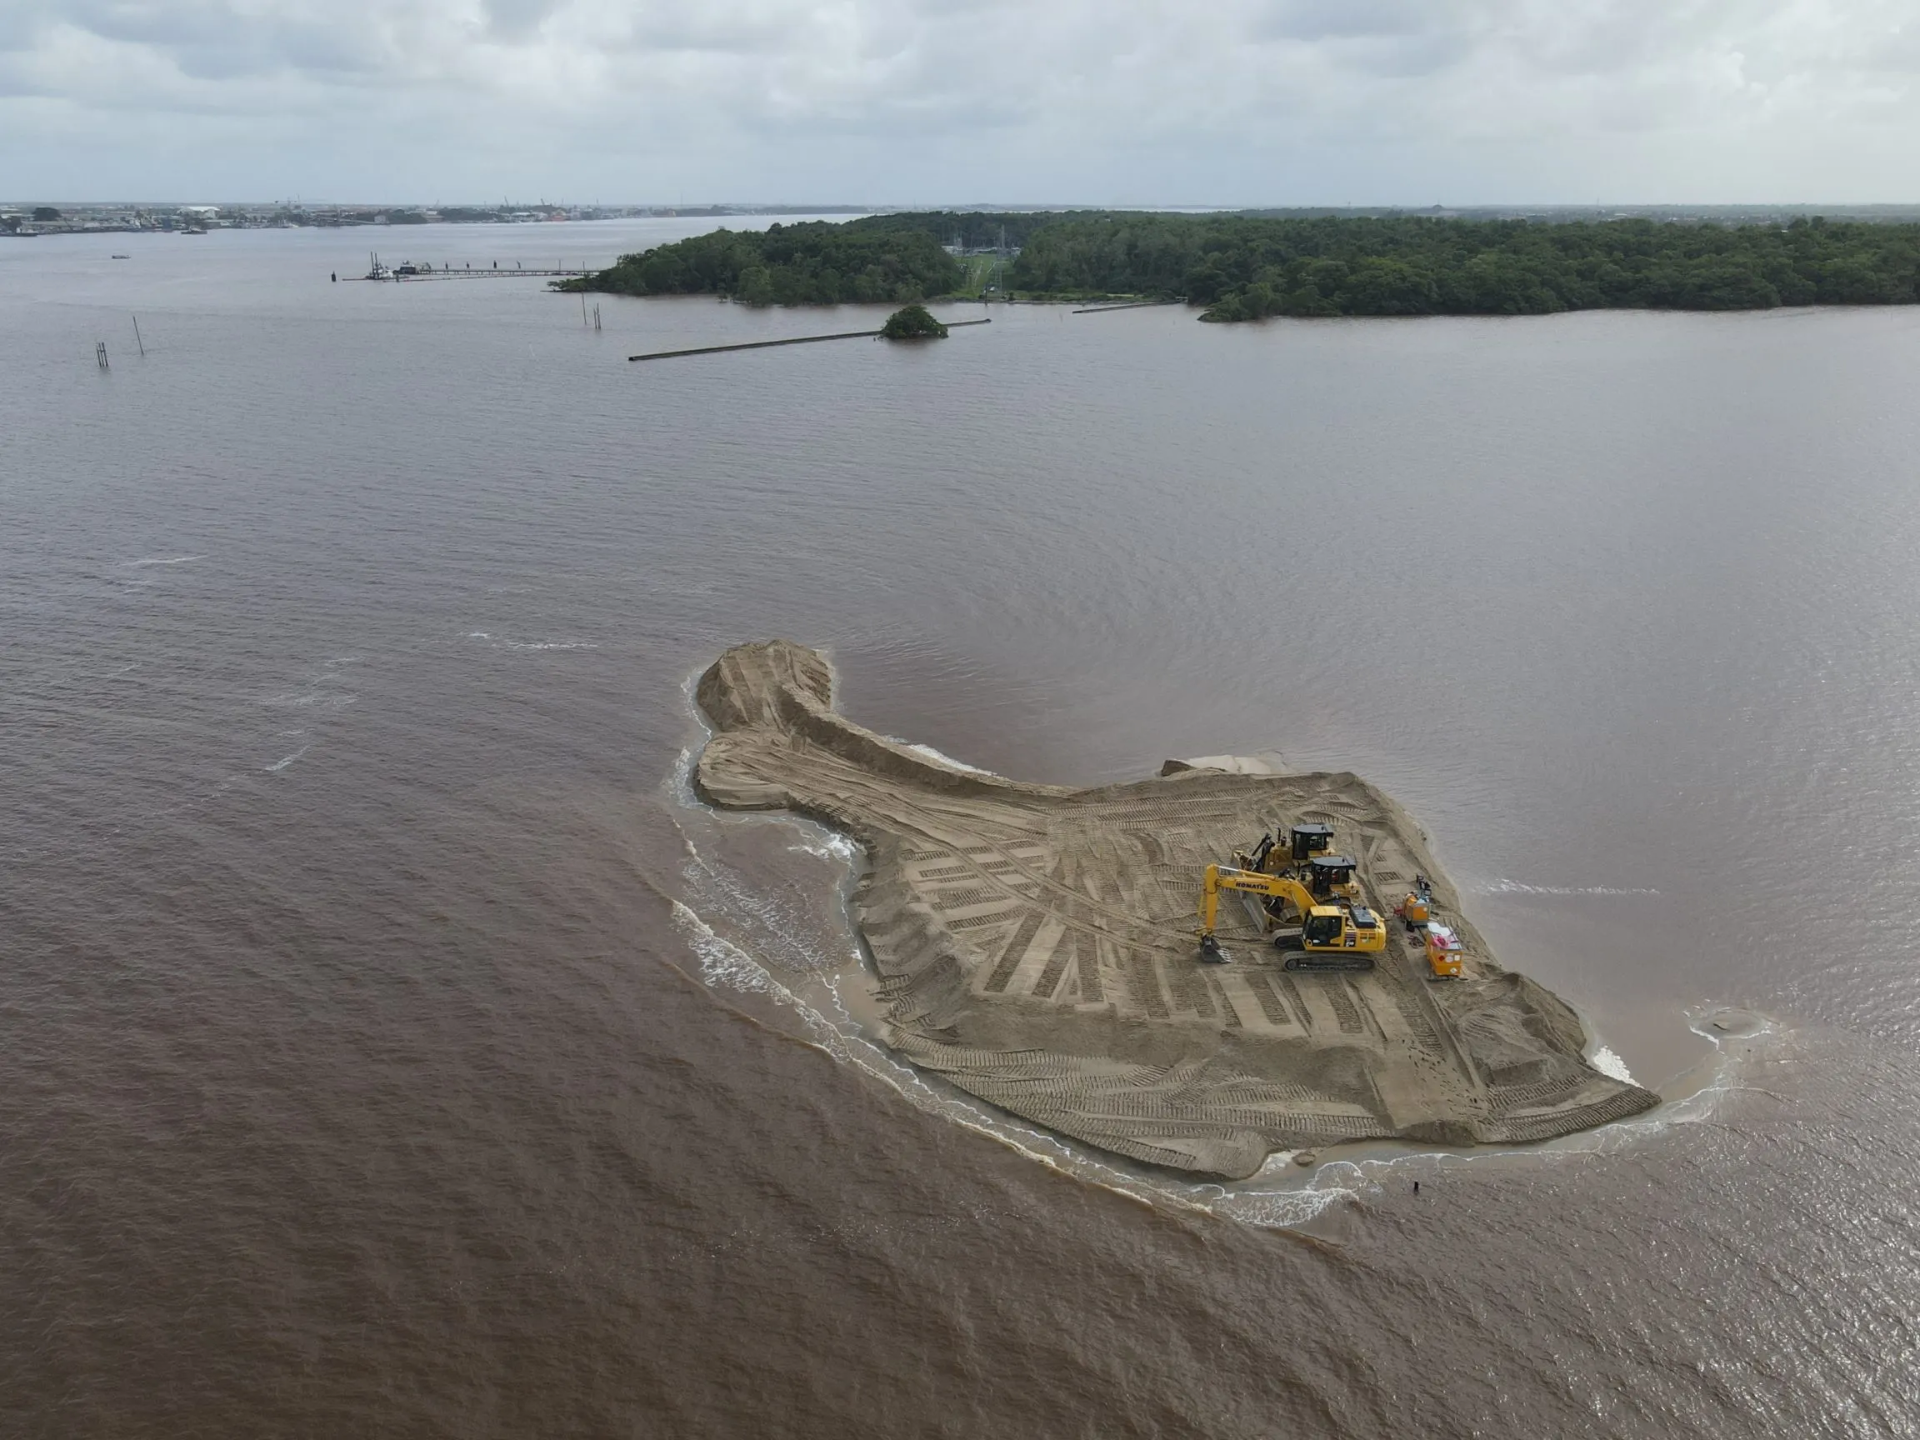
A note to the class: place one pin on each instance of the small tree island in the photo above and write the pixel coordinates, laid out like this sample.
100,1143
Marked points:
912,322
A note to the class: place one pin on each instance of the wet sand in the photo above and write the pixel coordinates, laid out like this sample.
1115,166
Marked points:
1036,946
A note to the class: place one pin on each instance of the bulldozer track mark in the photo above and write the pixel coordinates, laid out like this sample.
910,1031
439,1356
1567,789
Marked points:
972,922
1268,998
1289,987
1086,948
1344,1010
1143,985
1187,987
1016,950
1056,967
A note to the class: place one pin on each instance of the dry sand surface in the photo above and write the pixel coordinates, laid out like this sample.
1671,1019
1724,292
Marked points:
1037,947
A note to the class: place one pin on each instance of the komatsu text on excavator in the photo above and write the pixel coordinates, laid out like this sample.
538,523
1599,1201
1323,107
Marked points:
1336,936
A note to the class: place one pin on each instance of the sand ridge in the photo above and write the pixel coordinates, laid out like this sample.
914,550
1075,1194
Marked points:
1036,945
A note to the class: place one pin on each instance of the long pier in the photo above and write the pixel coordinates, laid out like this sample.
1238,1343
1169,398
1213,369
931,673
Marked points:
792,340
471,273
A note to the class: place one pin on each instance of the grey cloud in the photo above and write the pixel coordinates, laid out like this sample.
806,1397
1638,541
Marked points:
21,26
1311,20
1388,38
162,25
221,42
518,19
690,28
919,90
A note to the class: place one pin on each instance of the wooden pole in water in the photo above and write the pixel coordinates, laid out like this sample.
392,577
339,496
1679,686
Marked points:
136,337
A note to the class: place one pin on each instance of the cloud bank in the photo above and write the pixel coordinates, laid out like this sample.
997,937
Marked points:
923,101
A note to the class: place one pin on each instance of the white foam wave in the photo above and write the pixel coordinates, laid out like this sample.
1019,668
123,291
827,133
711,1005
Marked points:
282,764
723,963
680,780
1514,887
1720,1025
1375,1174
294,700
532,644
827,844
161,560
1608,1062
927,752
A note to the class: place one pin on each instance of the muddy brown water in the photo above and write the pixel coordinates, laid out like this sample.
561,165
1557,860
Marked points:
387,1045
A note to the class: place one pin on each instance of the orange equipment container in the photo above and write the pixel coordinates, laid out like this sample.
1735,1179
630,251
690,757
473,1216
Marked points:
1444,953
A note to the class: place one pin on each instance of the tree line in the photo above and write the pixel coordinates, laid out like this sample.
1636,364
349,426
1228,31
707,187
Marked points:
1245,268
812,263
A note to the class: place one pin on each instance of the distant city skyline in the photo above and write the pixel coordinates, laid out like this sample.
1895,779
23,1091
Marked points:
914,102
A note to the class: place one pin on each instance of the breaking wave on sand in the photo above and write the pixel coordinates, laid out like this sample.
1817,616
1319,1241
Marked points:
939,757
1503,886
724,964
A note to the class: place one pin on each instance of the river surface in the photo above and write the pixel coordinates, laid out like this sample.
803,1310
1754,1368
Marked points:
388,1046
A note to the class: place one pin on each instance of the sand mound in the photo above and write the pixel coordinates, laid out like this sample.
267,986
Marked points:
1036,946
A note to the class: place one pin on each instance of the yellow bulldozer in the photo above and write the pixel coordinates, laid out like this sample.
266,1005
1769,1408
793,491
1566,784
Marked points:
1304,842
1335,934
1307,857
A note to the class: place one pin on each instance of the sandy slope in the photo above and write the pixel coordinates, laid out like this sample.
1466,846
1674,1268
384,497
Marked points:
1036,946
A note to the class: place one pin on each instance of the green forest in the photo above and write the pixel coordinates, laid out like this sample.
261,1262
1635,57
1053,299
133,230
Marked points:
1244,268
815,262
973,229
1247,267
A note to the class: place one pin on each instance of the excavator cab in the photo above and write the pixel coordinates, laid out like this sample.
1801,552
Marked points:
1330,875
1324,928
1311,840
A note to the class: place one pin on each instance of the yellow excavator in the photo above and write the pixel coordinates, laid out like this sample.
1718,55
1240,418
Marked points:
1338,936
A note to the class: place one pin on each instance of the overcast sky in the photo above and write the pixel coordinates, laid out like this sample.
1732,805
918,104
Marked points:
949,101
